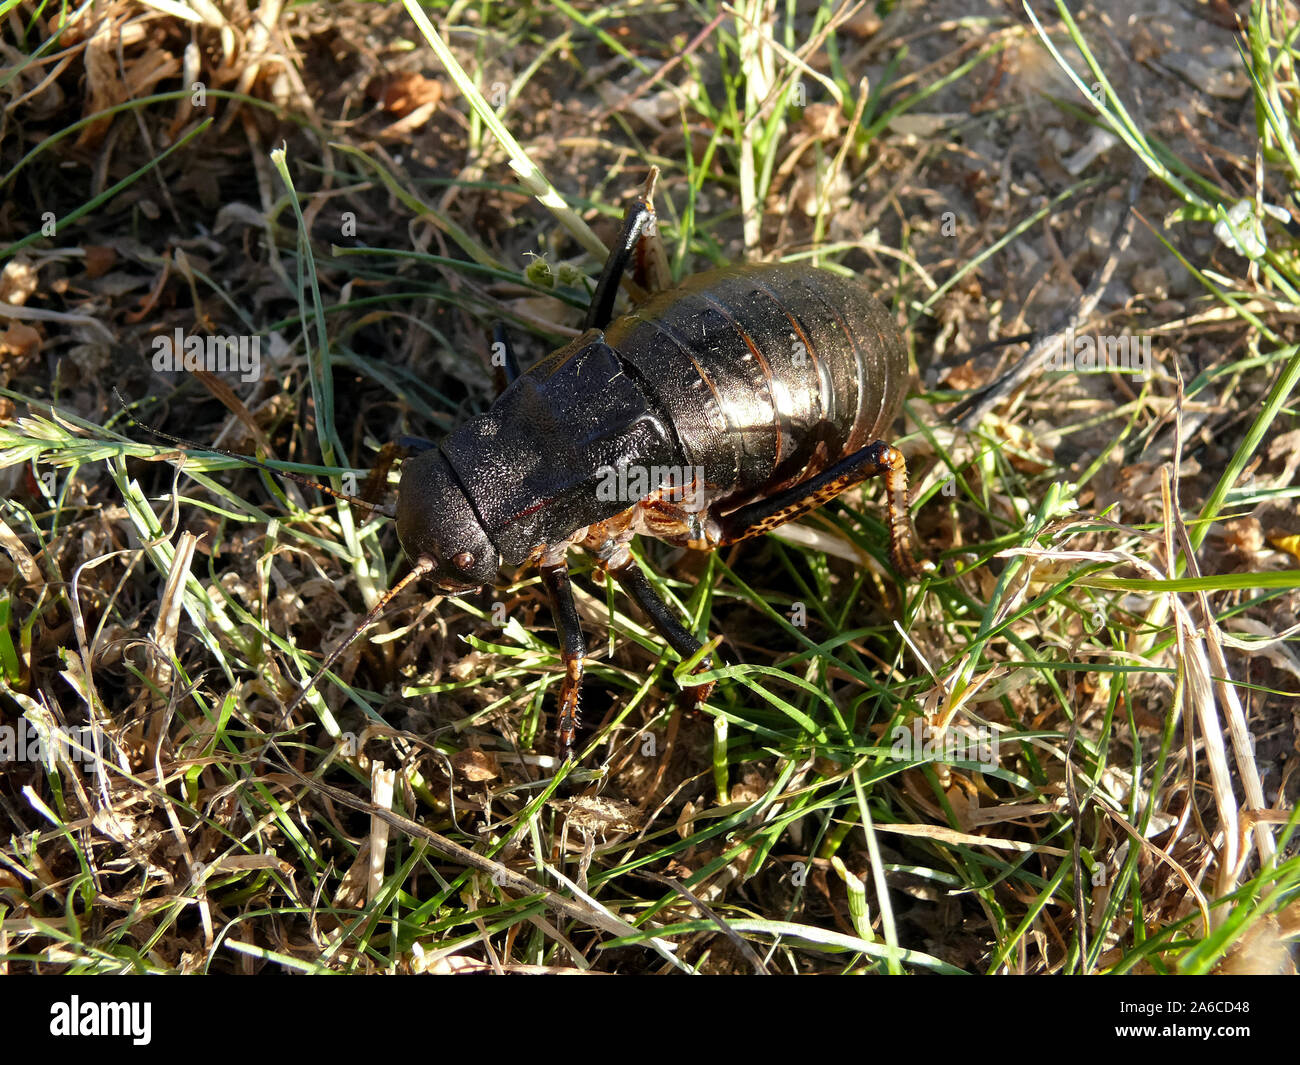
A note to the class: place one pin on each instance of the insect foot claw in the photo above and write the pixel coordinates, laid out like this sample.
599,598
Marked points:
698,694
911,569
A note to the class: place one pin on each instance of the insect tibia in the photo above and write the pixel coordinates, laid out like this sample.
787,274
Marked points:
902,537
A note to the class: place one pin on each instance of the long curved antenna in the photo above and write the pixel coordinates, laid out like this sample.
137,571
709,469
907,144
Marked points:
423,566
190,445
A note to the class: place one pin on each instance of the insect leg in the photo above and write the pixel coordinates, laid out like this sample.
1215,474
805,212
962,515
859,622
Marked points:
871,461
502,349
602,301
639,222
652,271
377,479
639,589
573,648
413,445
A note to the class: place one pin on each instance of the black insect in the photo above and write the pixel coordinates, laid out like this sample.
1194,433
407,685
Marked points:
712,412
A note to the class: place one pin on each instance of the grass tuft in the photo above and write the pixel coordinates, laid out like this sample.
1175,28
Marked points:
1069,748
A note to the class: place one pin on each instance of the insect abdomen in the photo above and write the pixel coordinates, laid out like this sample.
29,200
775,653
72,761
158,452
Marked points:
767,373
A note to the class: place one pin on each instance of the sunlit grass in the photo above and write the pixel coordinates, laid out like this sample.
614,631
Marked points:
785,803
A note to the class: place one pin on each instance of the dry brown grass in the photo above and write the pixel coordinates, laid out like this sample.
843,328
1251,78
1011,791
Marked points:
1116,599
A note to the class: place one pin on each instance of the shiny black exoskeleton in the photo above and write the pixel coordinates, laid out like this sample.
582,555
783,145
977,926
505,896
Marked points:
746,396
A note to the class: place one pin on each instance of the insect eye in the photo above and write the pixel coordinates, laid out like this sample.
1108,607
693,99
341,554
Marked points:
463,560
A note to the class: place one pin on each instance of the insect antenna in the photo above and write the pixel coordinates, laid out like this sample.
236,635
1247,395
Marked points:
422,566
190,445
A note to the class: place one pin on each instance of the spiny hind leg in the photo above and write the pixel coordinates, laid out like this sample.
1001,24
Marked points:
874,460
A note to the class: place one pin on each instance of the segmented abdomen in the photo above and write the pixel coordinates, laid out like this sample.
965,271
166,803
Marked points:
767,373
